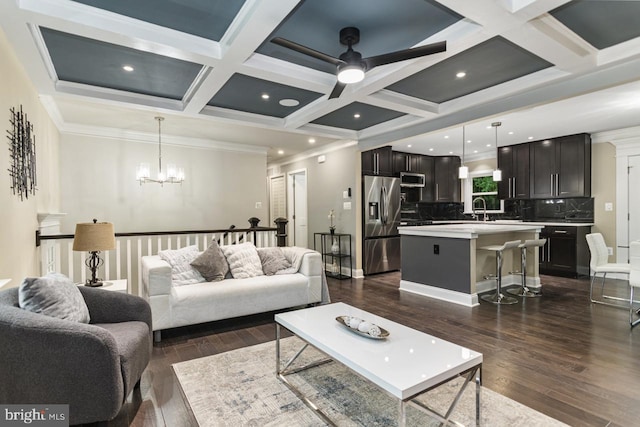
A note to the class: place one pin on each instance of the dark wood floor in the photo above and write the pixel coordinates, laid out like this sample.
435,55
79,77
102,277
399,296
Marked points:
572,360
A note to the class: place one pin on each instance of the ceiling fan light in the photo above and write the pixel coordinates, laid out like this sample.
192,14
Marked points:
350,73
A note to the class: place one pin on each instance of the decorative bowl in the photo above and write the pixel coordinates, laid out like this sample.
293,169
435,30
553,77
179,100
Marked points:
343,320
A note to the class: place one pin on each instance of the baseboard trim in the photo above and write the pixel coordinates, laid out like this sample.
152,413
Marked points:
507,280
468,300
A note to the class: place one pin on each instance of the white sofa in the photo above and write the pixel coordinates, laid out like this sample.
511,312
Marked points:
174,306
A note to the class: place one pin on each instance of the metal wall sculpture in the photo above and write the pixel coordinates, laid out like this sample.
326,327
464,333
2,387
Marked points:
22,153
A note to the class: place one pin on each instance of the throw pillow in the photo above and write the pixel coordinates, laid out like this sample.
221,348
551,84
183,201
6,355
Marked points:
243,260
272,260
53,295
182,273
211,263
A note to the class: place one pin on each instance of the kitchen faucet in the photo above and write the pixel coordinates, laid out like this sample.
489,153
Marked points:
484,207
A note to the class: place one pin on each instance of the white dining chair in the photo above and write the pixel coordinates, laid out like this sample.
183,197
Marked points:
634,279
600,264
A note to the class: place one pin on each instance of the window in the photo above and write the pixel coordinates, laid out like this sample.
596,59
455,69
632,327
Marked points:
481,184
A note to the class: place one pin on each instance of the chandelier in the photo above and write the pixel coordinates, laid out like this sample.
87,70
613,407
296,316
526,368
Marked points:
174,175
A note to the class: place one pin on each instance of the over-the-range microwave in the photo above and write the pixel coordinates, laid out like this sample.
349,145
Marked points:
411,179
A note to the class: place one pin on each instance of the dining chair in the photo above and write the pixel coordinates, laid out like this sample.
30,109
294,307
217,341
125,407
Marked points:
634,279
600,264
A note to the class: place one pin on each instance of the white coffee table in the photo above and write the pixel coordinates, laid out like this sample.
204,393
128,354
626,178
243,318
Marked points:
405,365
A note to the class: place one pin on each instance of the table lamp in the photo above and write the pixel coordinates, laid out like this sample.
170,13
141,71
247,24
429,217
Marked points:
94,237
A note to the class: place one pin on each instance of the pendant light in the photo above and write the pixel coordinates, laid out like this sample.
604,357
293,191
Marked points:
463,171
497,174
174,175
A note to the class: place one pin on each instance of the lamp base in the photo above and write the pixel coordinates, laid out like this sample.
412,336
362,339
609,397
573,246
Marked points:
93,284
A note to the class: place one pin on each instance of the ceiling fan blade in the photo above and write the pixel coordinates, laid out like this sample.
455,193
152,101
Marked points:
403,55
306,51
337,90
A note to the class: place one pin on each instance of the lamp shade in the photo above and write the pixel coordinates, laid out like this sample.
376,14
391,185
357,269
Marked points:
94,236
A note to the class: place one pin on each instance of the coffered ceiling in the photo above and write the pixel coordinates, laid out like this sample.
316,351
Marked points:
543,67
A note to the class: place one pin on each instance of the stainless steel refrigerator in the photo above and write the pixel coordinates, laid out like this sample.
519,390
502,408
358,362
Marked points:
381,218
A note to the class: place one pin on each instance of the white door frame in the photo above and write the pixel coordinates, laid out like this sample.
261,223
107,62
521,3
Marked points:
290,208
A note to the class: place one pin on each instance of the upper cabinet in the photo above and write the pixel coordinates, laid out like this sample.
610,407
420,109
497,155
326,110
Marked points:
377,162
414,163
561,167
513,161
447,184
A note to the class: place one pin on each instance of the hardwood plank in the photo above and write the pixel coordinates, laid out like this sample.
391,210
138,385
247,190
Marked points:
559,354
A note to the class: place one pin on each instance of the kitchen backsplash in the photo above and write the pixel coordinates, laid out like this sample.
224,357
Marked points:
578,209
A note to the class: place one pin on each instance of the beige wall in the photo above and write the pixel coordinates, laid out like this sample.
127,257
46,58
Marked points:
19,256
98,181
325,185
603,190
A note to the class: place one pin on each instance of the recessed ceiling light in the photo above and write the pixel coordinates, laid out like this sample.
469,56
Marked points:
430,149
128,68
409,145
446,137
530,137
461,74
488,145
312,140
265,96
288,102
475,151
280,152
489,127
511,133
468,141
450,152
356,116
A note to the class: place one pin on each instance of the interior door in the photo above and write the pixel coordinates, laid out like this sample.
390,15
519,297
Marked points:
297,202
634,198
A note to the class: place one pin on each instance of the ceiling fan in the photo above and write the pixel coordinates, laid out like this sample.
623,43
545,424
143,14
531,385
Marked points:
351,66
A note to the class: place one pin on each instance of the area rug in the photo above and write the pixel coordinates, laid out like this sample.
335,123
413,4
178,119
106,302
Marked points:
240,388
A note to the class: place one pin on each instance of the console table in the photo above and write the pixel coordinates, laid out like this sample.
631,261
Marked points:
336,253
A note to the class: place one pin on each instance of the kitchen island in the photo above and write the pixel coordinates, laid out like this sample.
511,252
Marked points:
445,262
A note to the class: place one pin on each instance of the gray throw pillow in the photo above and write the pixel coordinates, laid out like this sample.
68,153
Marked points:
211,263
53,295
273,260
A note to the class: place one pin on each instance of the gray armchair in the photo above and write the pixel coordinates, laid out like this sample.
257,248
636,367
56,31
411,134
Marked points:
92,367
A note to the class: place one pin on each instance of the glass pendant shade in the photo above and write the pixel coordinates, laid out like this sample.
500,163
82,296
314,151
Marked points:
173,174
463,172
497,175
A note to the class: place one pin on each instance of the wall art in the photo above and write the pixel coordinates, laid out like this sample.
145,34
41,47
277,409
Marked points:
22,155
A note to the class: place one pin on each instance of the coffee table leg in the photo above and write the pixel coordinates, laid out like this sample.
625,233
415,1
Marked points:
478,387
402,414
277,348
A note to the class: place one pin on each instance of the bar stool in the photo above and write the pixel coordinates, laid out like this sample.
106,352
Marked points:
524,291
498,297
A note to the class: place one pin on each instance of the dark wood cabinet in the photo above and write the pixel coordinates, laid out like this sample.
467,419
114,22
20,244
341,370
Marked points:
566,252
377,162
427,167
561,167
513,161
446,182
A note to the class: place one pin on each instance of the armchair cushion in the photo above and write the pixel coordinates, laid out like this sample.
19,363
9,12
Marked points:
53,295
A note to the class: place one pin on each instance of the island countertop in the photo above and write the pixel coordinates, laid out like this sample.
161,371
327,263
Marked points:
466,230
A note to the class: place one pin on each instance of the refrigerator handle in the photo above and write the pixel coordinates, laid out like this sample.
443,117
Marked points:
383,205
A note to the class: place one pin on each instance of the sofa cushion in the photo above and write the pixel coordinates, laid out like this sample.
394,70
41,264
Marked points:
182,273
211,263
273,260
243,260
53,295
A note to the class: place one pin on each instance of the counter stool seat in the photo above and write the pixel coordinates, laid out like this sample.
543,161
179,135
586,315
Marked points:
498,297
524,291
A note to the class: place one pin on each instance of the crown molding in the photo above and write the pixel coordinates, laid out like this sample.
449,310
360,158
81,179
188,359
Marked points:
339,145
